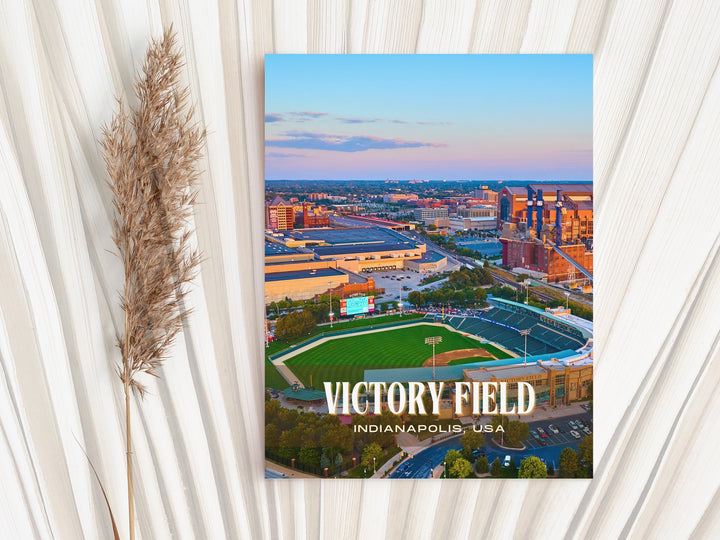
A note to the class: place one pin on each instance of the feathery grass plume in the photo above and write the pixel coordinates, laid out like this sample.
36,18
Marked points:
151,154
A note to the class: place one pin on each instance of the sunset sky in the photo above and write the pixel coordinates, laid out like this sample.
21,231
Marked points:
478,117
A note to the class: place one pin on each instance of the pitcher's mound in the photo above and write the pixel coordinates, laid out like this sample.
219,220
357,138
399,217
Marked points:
443,359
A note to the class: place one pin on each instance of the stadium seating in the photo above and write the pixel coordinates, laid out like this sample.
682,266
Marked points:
503,326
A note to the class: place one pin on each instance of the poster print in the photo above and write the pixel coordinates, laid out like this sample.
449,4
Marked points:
428,266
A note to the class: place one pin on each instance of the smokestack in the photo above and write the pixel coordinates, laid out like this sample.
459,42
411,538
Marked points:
529,209
540,208
558,218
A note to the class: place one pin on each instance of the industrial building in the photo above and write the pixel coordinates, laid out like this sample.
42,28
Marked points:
313,219
429,263
303,263
302,284
548,228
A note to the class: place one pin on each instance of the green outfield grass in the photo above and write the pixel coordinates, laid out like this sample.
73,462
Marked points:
277,346
273,379
346,359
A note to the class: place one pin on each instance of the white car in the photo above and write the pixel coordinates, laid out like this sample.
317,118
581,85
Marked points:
575,434
587,430
507,461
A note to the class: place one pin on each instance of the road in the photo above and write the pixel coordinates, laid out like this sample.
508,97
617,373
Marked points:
422,464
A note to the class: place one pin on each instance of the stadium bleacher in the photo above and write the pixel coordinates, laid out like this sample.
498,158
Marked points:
503,326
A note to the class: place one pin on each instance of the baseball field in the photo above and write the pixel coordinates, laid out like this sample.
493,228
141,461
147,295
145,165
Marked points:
346,359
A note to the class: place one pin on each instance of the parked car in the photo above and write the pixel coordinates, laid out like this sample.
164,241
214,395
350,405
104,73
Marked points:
553,429
542,433
575,434
572,425
535,435
587,430
507,461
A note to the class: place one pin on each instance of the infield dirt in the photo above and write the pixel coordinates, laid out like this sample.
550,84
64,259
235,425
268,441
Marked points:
443,359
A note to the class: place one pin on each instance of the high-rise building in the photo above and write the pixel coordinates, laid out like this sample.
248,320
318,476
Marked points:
279,215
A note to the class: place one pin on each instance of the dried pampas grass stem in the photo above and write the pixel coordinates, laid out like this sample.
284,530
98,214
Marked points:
151,154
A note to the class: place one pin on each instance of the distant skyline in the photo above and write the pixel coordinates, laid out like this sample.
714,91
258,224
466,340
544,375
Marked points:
478,117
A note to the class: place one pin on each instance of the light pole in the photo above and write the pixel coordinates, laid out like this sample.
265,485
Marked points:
527,291
445,469
374,470
525,333
567,299
400,301
434,340
331,311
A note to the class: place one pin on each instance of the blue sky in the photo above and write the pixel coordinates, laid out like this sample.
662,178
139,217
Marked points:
480,117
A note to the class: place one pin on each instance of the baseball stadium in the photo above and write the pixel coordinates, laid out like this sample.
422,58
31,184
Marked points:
509,341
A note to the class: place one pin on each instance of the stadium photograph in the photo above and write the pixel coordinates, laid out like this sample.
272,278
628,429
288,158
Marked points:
378,286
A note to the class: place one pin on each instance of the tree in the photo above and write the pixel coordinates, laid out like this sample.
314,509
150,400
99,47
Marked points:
461,469
372,450
272,436
568,463
336,438
496,468
482,465
532,467
382,437
324,461
309,456
550,469
294,325
472,439
415,298
499,420
586,454
451,457
338,461
511,471
516,431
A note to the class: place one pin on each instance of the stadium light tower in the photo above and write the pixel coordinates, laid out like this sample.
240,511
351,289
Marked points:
527,290
525,333
400,301
434,340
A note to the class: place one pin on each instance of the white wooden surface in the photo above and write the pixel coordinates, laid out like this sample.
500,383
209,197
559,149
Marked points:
199,436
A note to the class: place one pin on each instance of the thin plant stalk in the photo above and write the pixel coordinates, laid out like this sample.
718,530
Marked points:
151,154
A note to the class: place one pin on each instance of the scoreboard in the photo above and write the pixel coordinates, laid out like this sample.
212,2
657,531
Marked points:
357,306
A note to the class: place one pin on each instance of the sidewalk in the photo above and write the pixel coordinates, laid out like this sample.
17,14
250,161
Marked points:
287,471
386,466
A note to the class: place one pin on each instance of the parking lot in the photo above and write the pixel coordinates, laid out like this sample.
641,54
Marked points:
393,280
564,438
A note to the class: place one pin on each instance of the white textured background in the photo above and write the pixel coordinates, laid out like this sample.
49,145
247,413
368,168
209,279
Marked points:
198,438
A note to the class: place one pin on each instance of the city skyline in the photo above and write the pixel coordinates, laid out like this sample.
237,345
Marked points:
478,117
